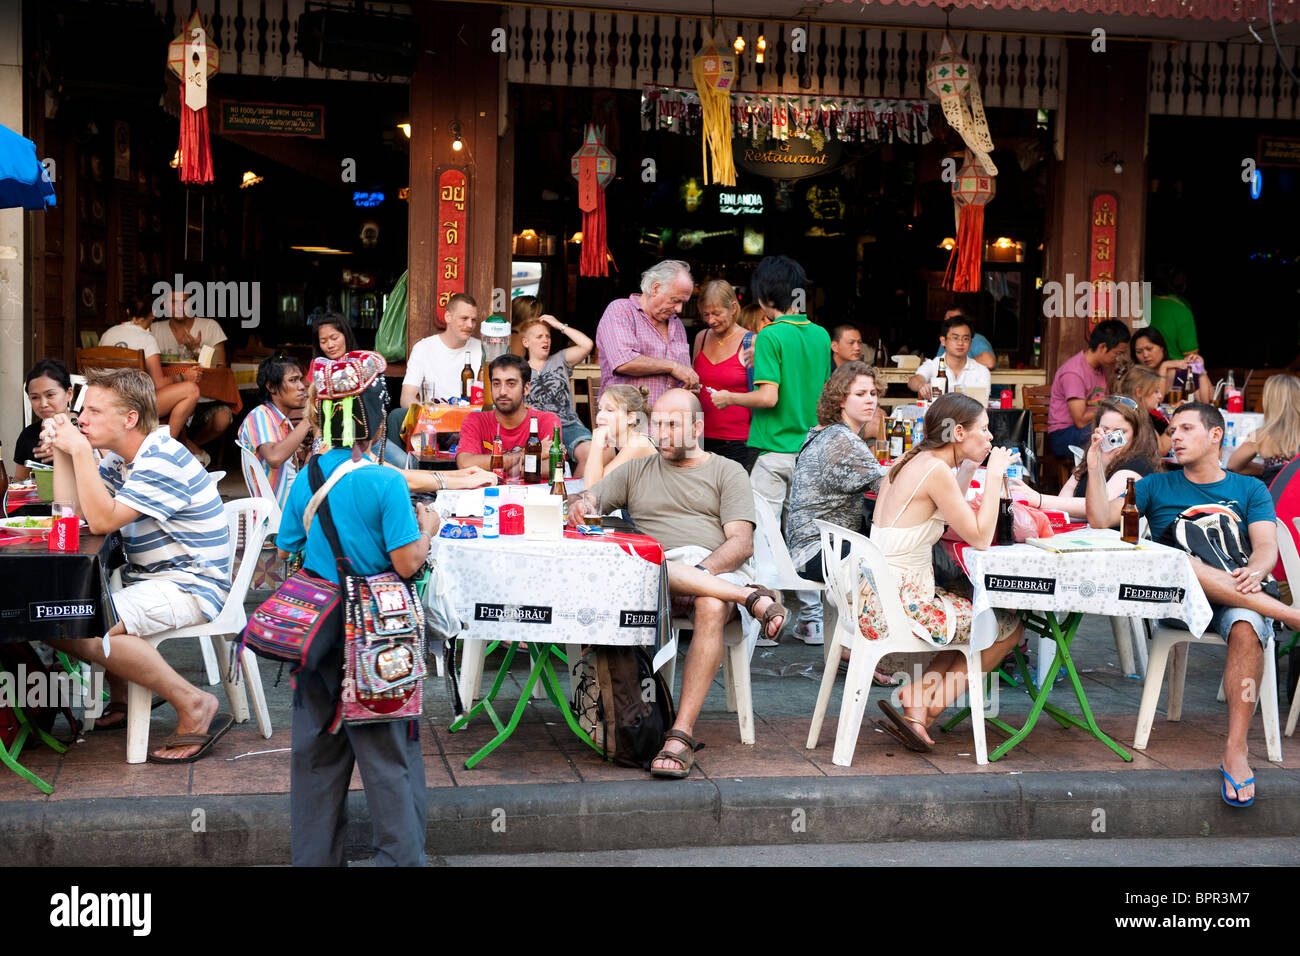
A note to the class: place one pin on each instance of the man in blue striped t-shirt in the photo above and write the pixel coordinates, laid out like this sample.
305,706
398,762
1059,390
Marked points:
177,545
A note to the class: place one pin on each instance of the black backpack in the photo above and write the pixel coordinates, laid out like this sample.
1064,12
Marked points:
1213,533
621,702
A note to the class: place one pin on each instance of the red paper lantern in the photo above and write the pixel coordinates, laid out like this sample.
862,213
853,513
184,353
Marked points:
971,192
593,166
194,57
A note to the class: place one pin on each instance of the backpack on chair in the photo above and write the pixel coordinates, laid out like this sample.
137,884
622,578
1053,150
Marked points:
1213,533
622,704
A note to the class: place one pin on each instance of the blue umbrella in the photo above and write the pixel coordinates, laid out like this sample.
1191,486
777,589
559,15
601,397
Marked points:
22,178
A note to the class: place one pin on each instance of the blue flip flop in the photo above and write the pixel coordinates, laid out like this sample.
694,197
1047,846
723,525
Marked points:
1223,789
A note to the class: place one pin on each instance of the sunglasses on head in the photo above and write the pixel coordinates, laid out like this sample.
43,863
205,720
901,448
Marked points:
1125,400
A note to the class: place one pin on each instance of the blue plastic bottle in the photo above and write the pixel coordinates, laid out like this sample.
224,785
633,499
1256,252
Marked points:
491,512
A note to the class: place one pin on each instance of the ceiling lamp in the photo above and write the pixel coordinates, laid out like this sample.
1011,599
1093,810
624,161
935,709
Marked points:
456,143
405,128
250,179
176,159
947,243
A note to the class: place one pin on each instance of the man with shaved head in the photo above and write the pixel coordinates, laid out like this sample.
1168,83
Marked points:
699,506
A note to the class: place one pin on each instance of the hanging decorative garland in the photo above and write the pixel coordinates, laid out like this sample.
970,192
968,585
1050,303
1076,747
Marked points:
593,166
714,72
192,58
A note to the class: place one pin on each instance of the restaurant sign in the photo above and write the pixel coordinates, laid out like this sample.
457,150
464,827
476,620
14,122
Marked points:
788,159
1279,151
453,217
273,119
1101,257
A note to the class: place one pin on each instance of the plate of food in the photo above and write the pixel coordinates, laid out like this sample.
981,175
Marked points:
22,487
32,526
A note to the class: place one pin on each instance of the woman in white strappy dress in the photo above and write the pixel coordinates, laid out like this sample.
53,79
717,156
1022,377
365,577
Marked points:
925,490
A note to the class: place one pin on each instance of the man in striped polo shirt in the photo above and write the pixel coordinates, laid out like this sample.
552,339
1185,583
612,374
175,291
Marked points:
275,430
177,545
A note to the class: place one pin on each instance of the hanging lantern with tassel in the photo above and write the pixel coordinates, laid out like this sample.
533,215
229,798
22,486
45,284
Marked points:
593,166
970,194
714,71
950,78
195,60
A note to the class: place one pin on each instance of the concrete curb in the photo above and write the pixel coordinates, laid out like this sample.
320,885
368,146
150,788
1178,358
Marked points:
243,830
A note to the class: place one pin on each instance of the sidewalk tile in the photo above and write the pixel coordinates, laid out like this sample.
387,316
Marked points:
83,781
263,773
875,754
436,774
518,766
530,736
1083,752
39,760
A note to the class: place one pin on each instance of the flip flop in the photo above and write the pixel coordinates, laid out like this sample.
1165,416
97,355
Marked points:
113,707
219,725
1223,789
908,736
686,758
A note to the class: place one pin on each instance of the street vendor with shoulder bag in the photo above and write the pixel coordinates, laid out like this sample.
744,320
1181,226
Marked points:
370,509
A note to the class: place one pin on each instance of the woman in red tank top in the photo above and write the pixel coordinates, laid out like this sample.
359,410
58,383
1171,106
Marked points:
722,363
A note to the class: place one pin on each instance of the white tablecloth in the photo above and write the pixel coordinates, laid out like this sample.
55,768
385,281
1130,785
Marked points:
1154,581
588,591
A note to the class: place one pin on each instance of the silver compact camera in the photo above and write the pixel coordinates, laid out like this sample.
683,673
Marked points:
1114,439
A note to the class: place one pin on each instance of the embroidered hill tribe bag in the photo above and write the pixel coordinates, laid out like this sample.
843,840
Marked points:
1214,533
622,704
303,619
383,641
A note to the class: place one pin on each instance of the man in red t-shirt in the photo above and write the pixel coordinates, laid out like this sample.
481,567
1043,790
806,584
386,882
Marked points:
509,419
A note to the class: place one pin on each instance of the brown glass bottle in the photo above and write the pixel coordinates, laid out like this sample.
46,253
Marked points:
1128,515
466,378
486,380
896,439
498,463
1006,533
533,455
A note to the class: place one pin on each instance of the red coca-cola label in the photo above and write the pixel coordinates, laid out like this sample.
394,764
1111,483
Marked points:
512,519
476,394
65,534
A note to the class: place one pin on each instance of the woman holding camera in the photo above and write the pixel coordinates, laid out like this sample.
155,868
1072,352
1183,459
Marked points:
1129,450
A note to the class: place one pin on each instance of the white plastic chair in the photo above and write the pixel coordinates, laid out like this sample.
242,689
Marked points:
843,578
78,397
1166,639
738,641
775,567
228,624
259,486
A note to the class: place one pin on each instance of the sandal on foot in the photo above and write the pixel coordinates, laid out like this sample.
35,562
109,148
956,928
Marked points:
684,758
111,709
219,725
774,610
900,721
1223,789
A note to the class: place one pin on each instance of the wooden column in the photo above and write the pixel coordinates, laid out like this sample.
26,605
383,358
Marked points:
1105,111
457,78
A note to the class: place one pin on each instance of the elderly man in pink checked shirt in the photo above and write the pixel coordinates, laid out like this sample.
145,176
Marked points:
641,340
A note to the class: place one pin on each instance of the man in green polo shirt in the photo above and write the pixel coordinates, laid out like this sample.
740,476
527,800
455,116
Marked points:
1171,316
791,364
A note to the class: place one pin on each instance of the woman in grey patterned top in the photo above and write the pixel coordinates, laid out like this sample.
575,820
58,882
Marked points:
833,469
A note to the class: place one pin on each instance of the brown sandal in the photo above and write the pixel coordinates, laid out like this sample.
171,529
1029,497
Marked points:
775,609
684,758
902,731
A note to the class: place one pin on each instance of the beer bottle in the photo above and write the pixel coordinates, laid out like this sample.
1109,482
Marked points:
533,455
498,463
557,458
466,378
485,377
896,439
1128,515
1006,533
939,384
907,436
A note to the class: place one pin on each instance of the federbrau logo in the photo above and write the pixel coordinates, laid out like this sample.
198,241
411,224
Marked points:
76,909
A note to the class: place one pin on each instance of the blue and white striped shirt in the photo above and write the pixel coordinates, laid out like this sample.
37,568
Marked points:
181,534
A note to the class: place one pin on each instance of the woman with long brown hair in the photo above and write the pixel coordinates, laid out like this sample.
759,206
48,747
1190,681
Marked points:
926,490
1130,451
1147,388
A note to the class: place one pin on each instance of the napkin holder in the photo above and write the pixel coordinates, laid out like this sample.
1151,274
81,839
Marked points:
542,518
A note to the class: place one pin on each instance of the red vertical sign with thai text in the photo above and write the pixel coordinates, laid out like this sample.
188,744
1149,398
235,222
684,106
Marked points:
453,217
1101,257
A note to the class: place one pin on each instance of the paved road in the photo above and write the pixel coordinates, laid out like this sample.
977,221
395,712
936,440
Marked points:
1100,853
